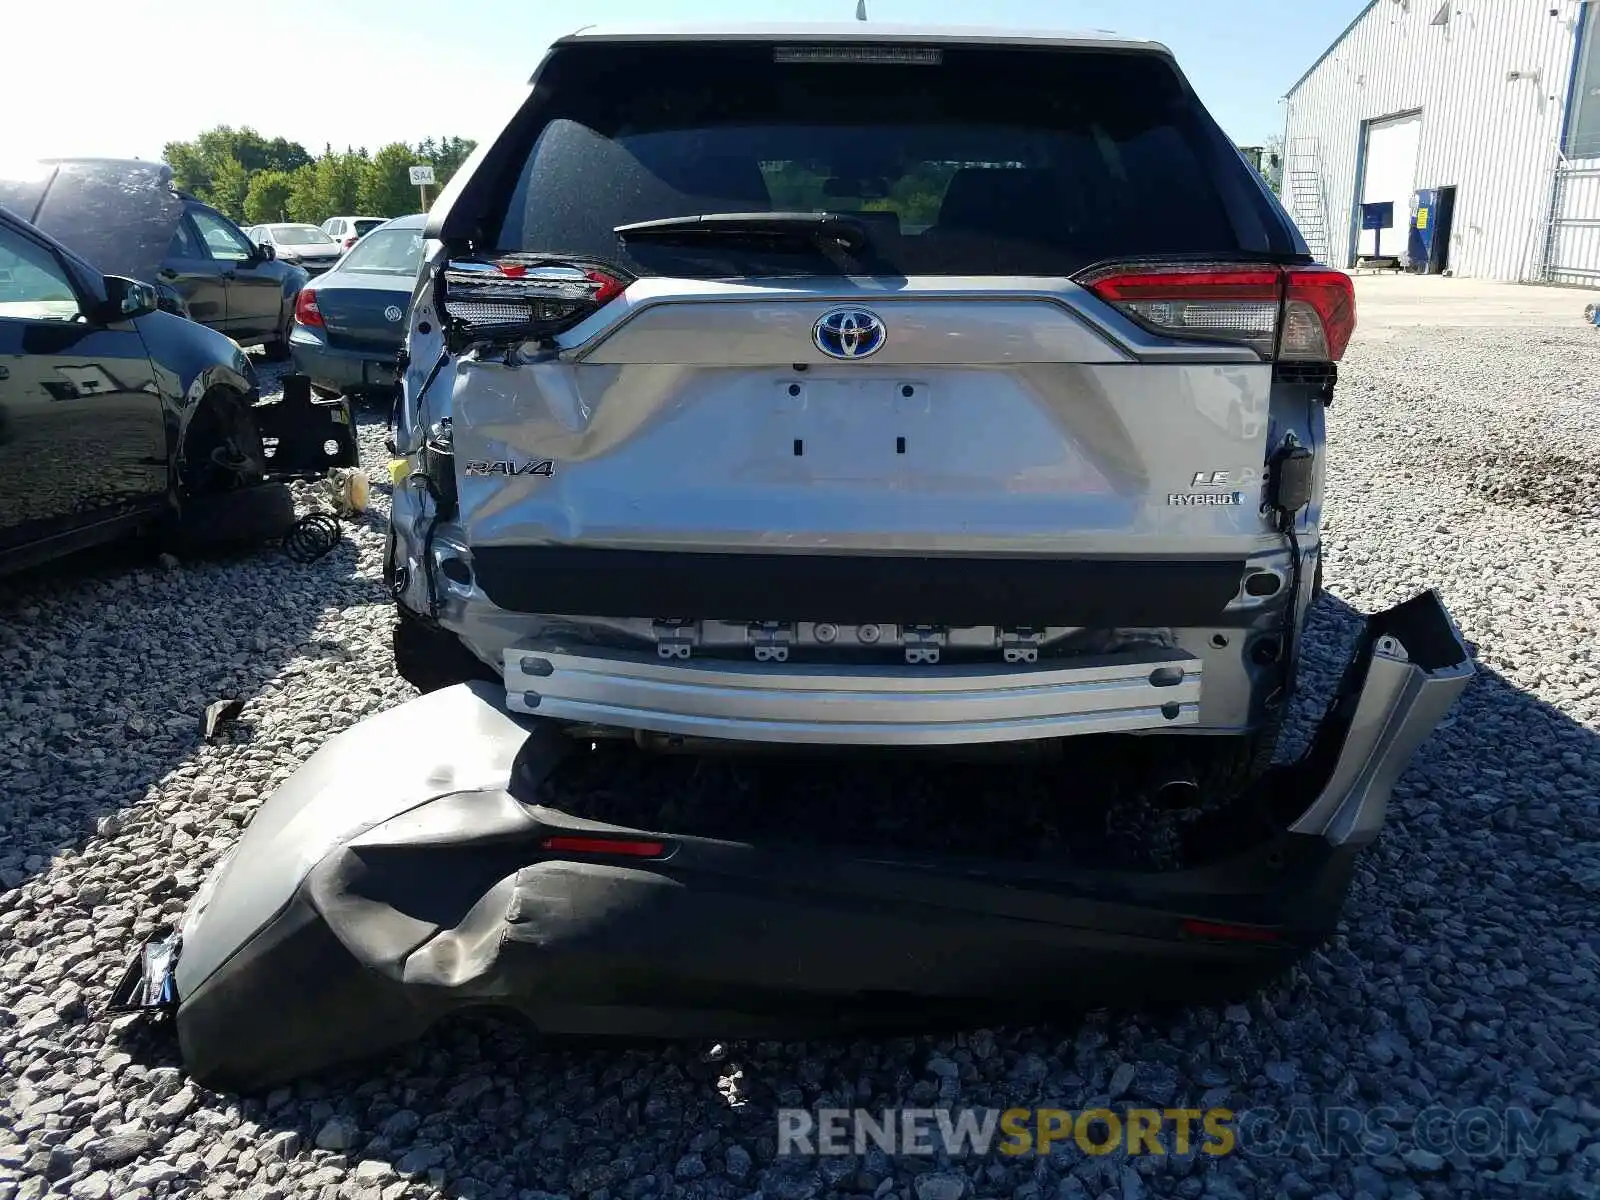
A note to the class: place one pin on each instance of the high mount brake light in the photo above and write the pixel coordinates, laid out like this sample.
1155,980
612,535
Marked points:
1284,312
922,56
525,295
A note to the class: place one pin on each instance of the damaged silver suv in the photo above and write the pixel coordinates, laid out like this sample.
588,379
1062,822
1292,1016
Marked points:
883,388
843,386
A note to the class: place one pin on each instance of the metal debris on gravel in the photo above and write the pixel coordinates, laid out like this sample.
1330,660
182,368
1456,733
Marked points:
1465,975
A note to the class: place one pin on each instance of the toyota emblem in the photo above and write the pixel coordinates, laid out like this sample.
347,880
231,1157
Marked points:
849,333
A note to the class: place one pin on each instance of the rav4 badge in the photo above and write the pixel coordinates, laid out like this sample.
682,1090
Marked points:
506,466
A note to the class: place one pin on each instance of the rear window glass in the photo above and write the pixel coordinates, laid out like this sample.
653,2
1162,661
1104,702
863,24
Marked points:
299,235
989,162
387,252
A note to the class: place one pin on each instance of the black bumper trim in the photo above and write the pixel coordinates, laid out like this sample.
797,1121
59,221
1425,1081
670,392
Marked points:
854,589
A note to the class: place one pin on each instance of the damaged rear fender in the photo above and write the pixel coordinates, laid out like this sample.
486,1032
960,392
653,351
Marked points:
407,871
1406,673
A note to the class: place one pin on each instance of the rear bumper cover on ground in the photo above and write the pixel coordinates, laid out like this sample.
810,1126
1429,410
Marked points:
405,873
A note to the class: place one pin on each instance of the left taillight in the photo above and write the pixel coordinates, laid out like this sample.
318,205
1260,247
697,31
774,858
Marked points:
523,296
1304,313
306,311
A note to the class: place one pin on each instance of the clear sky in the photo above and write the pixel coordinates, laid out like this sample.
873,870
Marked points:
122,77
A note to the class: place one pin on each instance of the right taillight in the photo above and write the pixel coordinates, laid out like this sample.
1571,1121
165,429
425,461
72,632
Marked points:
306,311
1283,312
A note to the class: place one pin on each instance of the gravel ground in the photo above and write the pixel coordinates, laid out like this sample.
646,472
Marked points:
1464,975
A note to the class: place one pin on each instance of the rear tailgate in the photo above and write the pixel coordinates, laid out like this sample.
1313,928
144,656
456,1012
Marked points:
998,407
994,419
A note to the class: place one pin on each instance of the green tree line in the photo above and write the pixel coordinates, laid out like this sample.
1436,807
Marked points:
255,180
812,187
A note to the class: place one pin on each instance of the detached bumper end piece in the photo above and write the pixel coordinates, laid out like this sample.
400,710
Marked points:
408,871
1407,672
149,984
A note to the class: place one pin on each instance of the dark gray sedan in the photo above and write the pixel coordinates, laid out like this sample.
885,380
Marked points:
349,323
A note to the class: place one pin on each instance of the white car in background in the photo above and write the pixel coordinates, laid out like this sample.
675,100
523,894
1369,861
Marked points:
347,231
304,245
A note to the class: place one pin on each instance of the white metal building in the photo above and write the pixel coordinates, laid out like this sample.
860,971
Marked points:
1495,101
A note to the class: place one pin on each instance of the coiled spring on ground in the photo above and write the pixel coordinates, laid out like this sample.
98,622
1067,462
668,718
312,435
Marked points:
312,536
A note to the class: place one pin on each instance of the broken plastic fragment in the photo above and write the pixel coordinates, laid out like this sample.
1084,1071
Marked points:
220,713
150,980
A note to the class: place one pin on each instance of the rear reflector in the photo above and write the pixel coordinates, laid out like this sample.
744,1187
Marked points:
1282,312
1223,931
614,847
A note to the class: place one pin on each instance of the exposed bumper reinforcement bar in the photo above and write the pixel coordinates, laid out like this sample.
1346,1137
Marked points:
864,705
407,871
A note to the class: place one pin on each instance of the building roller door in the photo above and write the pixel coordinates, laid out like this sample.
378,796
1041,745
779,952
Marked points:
1389,176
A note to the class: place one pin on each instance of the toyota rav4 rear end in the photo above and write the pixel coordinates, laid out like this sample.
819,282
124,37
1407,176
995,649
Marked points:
842,386
866,386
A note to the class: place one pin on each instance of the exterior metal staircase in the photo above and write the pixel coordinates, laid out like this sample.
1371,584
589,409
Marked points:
1307,204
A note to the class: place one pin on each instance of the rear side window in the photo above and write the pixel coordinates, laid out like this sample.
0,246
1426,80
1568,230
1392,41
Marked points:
990,161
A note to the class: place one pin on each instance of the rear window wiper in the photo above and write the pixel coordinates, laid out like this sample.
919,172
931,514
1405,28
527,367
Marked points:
828,232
